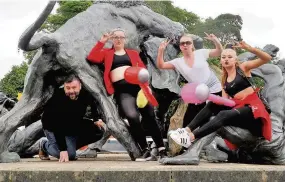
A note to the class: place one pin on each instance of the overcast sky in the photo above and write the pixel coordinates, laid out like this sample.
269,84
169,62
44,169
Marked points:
262,22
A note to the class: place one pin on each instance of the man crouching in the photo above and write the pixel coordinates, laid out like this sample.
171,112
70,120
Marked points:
64,124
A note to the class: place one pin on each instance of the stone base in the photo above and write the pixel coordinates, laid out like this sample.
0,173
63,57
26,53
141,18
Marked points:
9,157
119,167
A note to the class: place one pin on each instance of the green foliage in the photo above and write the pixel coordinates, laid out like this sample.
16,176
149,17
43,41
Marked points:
30,55
215,61
259,82
13,82
166,8
66,10
226,27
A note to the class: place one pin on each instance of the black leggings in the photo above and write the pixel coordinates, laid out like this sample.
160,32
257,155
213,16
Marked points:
224,116
193,110
125,95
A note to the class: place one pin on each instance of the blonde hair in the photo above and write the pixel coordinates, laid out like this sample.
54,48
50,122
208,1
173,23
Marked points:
118,29
190,36
224,71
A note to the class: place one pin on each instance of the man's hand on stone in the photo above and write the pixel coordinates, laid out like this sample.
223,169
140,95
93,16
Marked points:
100,124
63,156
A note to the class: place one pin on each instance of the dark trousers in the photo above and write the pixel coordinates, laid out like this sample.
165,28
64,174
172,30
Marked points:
193,110
87,133
125,95
224,116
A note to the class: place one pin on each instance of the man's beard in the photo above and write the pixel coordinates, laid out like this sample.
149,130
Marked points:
73,95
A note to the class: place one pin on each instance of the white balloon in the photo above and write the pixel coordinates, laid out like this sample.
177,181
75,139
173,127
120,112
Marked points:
202,92
143,75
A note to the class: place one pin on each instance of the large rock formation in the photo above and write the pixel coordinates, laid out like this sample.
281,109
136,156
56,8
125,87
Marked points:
65,50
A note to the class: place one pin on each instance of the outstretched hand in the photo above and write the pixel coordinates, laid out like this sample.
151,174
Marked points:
211,37
100,124
63,156
163,44
242,45
106,37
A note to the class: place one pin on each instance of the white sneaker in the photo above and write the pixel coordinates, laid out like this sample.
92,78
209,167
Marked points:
181,137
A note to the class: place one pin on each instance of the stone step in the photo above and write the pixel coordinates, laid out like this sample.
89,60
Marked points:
119,167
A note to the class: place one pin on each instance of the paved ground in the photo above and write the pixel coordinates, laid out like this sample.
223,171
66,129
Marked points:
119,167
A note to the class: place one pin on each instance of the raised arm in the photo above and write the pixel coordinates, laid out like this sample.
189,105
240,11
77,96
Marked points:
263,57
219,48
160,61
97,53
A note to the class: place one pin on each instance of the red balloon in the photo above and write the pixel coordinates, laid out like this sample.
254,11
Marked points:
148,95
132,76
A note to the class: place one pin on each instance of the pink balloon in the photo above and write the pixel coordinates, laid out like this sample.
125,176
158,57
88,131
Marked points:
202,92
221,100
188,93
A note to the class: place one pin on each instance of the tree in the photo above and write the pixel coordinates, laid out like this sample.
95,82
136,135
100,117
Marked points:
229,27
166,8
66,10
226,27
13,82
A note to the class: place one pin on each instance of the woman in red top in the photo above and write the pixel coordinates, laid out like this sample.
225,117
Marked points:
116,60
249,112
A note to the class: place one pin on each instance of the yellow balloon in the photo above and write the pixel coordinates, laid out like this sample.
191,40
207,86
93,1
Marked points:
141,100
19,96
